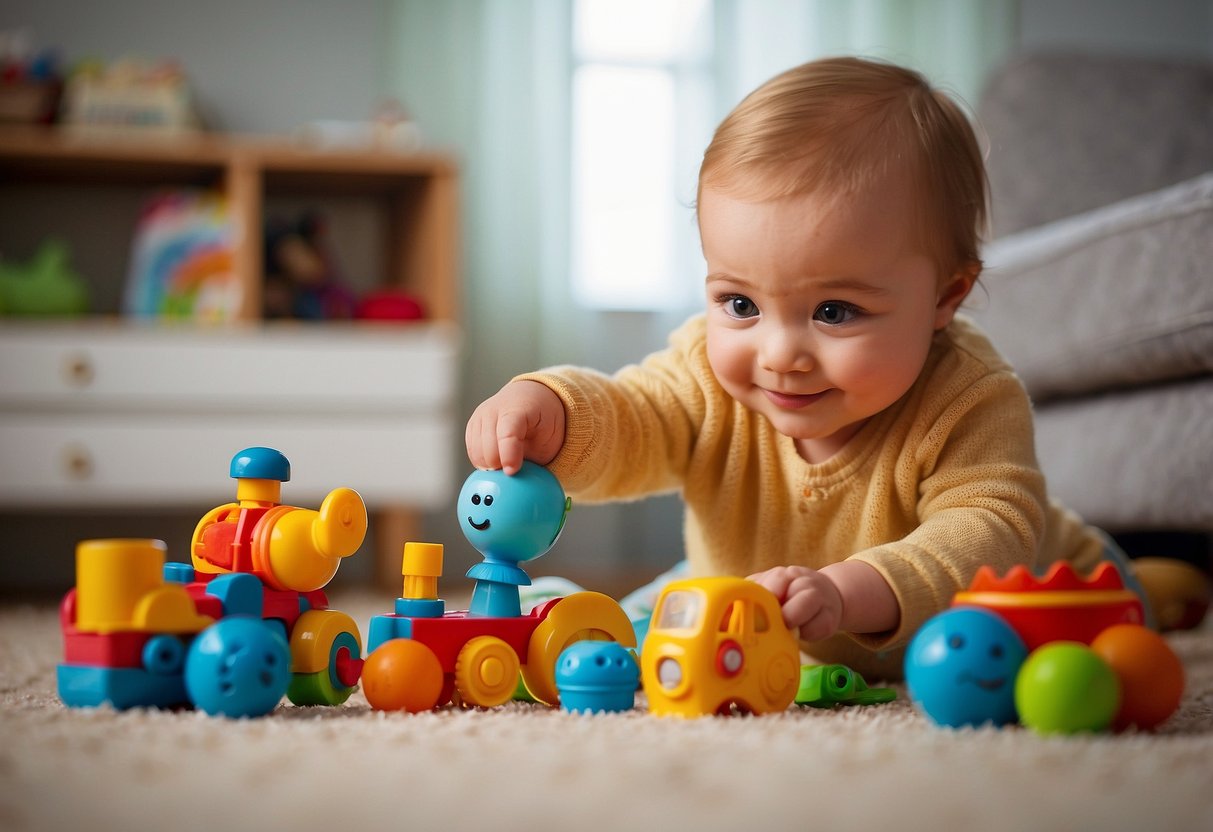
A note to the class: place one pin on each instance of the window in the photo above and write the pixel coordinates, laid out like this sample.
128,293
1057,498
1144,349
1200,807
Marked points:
680,610
642,95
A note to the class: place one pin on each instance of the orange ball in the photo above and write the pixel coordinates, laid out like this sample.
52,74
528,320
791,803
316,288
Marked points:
1151,675
402,675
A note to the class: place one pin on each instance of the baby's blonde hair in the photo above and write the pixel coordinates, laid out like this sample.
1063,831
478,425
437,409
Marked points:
840,125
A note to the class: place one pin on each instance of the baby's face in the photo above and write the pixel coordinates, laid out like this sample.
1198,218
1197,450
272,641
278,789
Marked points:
820,313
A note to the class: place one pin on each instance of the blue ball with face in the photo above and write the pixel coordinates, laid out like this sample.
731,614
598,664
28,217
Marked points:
961,668
512,518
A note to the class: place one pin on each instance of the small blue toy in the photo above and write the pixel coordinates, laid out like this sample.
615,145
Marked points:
239,667
595,676
509,520
961,668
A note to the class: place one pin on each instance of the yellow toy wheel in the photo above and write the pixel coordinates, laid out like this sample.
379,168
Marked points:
486,672
317,642
582,616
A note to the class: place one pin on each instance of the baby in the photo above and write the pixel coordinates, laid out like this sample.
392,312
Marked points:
836,431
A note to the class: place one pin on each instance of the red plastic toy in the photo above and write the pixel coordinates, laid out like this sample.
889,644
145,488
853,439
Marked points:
1060,606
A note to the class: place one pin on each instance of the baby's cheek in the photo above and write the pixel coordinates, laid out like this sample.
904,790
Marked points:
728,358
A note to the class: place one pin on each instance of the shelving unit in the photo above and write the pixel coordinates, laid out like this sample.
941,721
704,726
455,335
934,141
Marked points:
106,411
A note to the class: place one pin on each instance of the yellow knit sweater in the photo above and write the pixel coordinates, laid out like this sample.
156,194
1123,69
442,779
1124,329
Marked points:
941,482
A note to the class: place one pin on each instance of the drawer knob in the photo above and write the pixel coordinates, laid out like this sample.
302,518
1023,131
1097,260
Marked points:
79,370
78,463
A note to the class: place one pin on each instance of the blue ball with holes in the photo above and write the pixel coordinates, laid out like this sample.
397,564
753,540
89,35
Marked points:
961,668
597,676
238,667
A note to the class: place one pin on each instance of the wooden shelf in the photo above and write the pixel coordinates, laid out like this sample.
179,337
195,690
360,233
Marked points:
419,191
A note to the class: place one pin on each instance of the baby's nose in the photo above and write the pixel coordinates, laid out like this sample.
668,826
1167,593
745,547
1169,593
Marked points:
785,351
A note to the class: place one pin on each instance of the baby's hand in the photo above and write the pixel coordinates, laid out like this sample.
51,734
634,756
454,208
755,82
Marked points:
812,603
523,420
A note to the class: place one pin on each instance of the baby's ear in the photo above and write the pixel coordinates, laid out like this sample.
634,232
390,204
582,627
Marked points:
953,292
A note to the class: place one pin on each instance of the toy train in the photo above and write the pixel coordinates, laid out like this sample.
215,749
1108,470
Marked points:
232,633
247,621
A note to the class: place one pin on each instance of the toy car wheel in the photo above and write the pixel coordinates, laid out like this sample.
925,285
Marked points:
582,616
164,655
326,655
486,672
238,667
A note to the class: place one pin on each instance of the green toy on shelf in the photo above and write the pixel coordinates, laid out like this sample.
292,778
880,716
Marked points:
45,286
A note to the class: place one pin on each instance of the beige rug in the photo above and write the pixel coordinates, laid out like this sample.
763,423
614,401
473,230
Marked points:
527,768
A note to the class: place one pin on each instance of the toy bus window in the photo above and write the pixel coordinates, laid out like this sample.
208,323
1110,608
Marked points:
680,610
725,618
761,622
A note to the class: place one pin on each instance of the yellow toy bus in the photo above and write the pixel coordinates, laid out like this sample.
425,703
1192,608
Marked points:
716,645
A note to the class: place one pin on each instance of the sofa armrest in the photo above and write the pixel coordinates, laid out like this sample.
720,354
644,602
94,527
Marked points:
1116,297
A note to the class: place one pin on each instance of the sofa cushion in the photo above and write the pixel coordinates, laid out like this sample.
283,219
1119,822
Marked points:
1118,296
1134,459
1070,132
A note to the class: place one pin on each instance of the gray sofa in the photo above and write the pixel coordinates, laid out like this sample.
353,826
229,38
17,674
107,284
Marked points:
1099,282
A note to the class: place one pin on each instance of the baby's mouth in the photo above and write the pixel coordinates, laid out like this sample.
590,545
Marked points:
791,401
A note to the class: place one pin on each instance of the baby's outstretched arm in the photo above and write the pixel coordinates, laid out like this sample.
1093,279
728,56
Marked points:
850,596
523,420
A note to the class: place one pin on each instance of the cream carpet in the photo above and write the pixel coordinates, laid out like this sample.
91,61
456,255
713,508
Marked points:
528,768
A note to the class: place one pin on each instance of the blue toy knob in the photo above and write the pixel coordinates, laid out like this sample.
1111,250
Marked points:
261,464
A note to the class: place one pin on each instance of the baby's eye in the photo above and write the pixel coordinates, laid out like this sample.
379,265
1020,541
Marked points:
739,306
835,312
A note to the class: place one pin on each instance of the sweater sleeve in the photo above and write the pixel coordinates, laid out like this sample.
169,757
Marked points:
632,433
980,500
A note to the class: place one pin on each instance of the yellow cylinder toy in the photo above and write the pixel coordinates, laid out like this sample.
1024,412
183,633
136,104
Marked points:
111,577
421,567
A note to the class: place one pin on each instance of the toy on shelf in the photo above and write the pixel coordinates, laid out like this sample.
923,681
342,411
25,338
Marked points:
597,676
129,94
715,645
31,81
831,685
301,276
183,260
1060,654
232,633
394,305
44,286
481,652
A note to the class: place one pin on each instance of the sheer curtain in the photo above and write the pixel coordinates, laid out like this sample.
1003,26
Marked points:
491,80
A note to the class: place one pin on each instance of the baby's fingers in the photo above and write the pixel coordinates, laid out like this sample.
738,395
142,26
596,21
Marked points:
509,441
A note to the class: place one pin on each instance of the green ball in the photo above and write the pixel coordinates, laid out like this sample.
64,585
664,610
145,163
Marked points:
1065,687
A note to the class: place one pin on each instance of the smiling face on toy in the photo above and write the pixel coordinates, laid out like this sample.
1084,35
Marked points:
512,518
961,668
